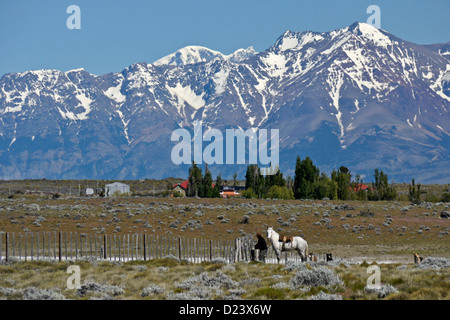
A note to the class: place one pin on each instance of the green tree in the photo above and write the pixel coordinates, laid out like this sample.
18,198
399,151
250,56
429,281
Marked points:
249,194
382,190
324,187
254,180
216,190
195,180
306,174
357,187
280,192
343,179
206,190
414,193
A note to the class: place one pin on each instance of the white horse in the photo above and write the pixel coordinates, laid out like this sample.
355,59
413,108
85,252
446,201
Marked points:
297,243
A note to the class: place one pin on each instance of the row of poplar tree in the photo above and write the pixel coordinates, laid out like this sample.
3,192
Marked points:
308,183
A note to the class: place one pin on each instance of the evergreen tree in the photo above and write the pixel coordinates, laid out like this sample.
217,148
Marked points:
254,180
251,176
195,180
206,190
297,178
274,180
343,179
306,174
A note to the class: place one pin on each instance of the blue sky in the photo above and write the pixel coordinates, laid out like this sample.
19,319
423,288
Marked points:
115,34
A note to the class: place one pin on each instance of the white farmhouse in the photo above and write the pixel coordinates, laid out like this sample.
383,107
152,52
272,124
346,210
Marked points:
116,188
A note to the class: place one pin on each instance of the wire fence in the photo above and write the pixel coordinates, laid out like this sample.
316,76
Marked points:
61,246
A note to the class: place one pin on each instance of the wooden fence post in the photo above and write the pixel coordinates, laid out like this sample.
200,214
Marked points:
54,244
37,245
59,252
210,250
65,243
31,244
145,248
104,246
20,244
26,242
119,248
6,242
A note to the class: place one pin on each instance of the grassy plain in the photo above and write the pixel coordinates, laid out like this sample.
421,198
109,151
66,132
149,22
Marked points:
358,232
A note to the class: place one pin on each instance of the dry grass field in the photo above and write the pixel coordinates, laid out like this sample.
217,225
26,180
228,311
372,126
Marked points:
170,279
358,233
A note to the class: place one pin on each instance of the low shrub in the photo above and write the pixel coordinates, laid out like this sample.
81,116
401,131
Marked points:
32,293
98,288
434,263
316,276
325,296
153,289
271,293
382,291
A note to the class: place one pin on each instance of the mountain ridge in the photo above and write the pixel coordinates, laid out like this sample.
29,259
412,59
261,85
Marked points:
358,93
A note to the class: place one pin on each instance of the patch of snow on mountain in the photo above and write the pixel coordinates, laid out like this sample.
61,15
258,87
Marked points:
114,93
276,64
189,55
86,104
335,81
125,125
241,55
437,85
186,94
289,43
372,33
220,79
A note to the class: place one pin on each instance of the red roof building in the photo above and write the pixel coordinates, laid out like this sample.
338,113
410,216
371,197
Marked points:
362,187
183,185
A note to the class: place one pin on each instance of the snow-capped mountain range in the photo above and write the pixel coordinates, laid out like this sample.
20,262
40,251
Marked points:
356,96
197,54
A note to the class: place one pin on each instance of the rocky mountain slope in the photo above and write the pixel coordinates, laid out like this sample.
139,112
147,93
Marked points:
356,96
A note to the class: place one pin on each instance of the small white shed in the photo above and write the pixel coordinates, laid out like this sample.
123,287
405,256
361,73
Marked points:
116,188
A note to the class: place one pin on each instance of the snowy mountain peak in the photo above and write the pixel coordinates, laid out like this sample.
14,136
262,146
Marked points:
369,32
197,54
241,54
292,40
189,55
75,70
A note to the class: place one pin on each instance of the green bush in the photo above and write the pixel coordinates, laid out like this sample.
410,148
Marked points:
249,194
445,197
277,192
